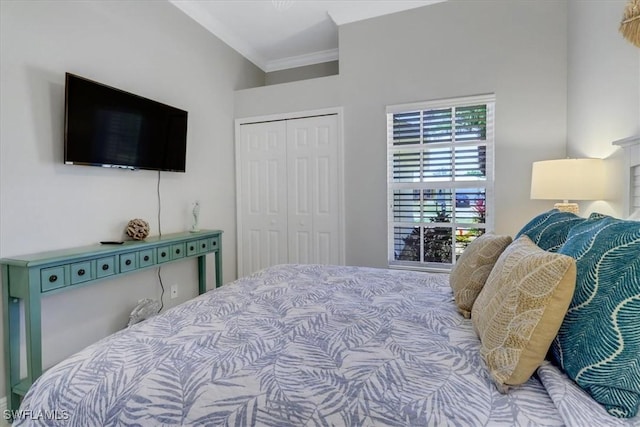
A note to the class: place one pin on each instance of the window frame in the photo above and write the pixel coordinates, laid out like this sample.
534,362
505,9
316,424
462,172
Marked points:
488,184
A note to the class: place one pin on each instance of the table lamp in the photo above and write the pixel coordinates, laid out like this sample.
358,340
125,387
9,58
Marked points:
568,179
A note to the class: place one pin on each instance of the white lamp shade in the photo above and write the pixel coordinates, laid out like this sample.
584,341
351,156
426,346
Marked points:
568,179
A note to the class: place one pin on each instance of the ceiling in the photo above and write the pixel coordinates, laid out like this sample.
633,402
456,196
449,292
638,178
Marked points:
280,34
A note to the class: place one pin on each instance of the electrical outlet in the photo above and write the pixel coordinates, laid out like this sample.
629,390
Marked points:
174,291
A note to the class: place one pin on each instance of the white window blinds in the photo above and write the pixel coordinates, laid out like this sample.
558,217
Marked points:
440,179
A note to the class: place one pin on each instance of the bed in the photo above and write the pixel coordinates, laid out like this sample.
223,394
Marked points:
297,345
300,345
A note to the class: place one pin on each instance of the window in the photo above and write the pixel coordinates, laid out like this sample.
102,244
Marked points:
440,179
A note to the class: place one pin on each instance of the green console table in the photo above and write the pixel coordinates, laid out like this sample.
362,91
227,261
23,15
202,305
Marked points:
29,277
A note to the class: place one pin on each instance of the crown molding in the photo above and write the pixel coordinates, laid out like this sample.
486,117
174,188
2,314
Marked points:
302,60
627,142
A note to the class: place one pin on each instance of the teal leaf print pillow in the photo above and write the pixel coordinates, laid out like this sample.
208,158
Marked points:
598,344
550,229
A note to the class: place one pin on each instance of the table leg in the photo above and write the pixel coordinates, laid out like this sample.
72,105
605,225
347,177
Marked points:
218,259
202,274
33,325
11,319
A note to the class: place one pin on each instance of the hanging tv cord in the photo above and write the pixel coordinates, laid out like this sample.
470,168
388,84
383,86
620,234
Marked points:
160,234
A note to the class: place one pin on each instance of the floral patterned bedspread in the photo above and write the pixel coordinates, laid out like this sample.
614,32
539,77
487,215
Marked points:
295,345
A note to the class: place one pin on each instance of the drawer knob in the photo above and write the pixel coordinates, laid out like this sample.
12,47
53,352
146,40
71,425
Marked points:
81,272
191,248
177,251
146,257
105,267
214,243
163,254
127,262
53,278
204,245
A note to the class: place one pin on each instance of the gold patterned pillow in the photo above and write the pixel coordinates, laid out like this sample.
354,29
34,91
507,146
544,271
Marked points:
473,267
520,309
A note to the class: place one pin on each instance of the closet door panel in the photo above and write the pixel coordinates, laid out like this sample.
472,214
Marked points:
312,156
263,199
299,166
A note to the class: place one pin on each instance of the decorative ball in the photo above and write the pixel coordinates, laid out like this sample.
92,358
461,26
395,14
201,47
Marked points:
138,229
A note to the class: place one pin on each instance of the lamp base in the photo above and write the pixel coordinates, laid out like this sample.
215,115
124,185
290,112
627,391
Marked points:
567,207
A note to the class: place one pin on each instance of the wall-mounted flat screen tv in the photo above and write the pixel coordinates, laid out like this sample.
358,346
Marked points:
109,127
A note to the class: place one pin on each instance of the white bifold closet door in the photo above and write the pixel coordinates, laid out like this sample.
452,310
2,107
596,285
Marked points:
262,196
289,193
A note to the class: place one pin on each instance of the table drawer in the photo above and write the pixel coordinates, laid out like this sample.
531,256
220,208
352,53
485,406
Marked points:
81,272
192,248
178,251
163,254
145,258
52,278
203,246
128,262
106,266
214,243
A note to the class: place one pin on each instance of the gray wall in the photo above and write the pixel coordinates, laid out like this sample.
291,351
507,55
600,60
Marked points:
314,71
151,49
283,98
515,49
603,92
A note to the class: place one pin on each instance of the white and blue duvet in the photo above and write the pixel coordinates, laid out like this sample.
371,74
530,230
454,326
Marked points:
304,346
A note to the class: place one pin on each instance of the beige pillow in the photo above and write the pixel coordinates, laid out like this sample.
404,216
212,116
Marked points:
473,267
520,309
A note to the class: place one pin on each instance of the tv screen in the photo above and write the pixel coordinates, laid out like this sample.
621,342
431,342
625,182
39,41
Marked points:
108,127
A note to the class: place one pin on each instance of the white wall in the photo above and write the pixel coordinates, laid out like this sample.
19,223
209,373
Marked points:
603,92
151,49
516,49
